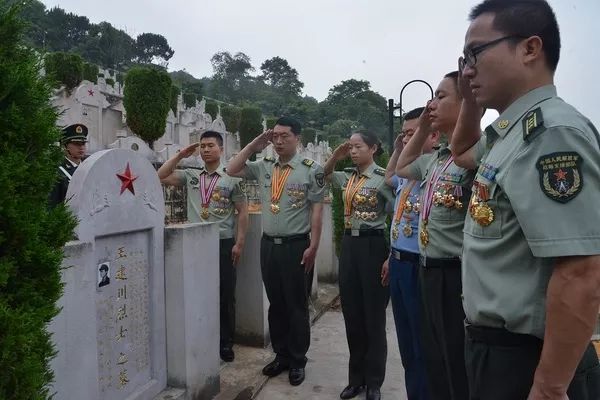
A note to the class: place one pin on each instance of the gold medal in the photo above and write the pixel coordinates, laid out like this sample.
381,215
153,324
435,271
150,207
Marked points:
275,208
395,232
204,214
407,230
348,223
482,213
417,207
216,196
458,205
373,201
449,201
424,235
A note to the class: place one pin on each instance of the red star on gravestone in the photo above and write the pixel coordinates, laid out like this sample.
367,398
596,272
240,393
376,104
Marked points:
127,179
90,92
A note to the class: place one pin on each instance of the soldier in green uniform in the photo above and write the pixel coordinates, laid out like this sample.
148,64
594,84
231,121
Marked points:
74,140
291,190
214,196
531,265
363,272
445,190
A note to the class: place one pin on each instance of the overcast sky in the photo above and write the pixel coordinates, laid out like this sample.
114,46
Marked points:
387,42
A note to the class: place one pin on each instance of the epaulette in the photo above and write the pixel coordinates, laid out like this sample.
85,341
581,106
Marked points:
379,171
533,124
308,162
269,159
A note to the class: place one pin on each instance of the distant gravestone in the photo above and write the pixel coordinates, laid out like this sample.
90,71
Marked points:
117,198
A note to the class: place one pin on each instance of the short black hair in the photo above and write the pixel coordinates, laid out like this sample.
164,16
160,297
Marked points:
292,123
371,140
454,76
413,114
104,267
215,134
525,18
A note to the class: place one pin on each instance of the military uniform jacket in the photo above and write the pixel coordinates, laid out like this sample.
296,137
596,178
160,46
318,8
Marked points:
304,186
449,207
374,200
227,192
540,164
65,173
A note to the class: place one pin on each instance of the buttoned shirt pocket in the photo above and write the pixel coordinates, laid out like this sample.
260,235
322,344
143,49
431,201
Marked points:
484,218
450,197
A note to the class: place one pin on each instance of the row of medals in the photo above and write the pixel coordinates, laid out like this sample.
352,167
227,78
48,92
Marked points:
294,194
216,196
480,211
362,200
446,200
407,229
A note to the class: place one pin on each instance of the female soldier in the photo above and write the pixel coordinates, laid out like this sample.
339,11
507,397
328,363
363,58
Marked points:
363,275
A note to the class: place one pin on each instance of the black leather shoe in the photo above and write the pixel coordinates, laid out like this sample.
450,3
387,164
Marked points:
351,392
227,354
373,394
274,368
296,376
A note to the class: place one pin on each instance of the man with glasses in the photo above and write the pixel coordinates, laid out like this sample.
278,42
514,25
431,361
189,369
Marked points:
531,265
292,190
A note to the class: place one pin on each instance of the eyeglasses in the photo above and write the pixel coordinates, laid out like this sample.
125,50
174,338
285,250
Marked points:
470,56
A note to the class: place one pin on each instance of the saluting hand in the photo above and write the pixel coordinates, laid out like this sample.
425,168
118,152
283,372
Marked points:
262,141
385,273
399,143
425,120
189,150
342,151
308,259
463,85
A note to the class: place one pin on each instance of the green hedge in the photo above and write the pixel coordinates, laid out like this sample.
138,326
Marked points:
175,91
189,99
147,99
231,117
211,108
90,72
271,121
110,81
65,68
32,236
250,125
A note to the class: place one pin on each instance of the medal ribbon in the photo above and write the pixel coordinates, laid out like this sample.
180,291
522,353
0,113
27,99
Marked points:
403,197
205,194
431,184
351,191
278,182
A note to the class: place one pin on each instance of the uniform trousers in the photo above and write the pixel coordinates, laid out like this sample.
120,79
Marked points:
442,325
406,303
227,276
364,301
286,286
501,365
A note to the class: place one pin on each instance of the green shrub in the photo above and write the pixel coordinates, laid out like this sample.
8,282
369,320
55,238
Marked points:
189,99
65,68
231,117
250,125
110,81
211,108
31,235
271,121
175,91
147,99
90,72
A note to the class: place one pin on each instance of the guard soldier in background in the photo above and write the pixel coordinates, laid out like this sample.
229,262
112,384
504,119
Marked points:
214,196
74,140
531,258
292,190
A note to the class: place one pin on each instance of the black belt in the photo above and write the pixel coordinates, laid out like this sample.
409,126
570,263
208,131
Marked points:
286,239
402,255
363,232
500,336
429,262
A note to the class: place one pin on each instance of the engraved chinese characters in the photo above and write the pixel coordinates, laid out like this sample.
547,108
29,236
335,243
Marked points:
123,316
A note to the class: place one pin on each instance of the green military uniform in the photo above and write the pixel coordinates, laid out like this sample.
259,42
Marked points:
364,250
534,199
221,209
76,133
440,272
285,238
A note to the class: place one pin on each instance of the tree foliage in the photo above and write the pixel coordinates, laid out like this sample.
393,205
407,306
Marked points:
31,235
278,74
65,68
175,92
232,116
90,72
153,48
211,108
147,100
250,124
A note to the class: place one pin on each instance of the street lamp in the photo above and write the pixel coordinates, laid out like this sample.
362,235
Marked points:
392,108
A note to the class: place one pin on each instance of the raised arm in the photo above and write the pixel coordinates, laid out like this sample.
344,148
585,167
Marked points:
414,147
236,165
341,152
166,171
390,169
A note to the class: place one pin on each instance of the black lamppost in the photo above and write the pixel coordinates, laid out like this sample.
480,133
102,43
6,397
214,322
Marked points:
392,108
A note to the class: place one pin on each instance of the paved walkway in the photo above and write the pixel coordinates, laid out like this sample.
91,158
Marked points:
327,368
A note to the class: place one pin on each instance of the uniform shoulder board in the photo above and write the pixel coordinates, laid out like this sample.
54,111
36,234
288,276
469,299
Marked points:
308,162
533,124
269,159
380,171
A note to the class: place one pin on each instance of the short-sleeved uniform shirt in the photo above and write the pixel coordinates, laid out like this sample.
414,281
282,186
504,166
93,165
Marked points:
542,173
450,199
407,236
304,186
225,195
370,204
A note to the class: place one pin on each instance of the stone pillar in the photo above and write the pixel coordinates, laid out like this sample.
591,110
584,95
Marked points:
192,308
326,258
252,326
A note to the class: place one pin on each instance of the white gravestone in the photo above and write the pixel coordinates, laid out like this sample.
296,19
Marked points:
117,199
